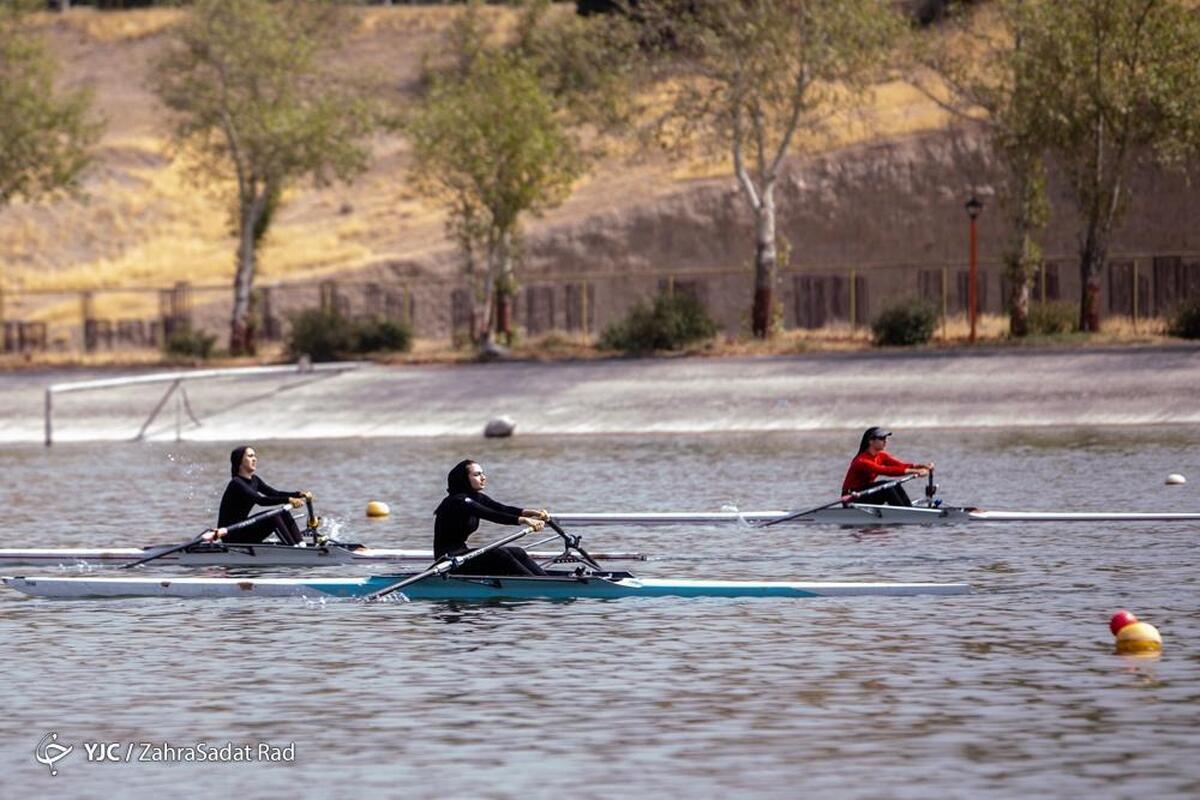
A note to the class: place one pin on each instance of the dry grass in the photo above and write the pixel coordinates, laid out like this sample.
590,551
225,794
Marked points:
143,223
107,27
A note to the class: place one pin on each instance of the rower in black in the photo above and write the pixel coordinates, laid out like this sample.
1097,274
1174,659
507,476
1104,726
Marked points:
244,492
457,517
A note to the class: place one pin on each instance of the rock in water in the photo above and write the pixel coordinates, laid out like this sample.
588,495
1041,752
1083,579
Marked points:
499,428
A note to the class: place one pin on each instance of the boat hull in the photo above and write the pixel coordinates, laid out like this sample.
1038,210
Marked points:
862,515
454,587
259,555
854,515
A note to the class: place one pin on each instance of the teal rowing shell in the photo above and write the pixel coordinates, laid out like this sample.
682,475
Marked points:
460,587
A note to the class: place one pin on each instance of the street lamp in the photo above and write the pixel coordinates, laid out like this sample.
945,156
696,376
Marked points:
973,206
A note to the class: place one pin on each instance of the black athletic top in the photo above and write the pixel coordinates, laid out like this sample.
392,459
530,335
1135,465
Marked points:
458,517
243,494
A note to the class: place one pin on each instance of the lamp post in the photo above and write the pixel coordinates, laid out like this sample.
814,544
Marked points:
973,206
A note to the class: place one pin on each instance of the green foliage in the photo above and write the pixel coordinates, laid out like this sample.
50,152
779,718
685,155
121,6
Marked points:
381,335
1109,82
491,137
490,144
672,322
187,342
46,134
1055,317
907,323
1185,322
321,335
327,335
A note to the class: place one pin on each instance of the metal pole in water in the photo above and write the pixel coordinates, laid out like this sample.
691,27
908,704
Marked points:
48,411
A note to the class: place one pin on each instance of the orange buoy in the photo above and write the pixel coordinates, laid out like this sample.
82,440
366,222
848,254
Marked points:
1120,619
1139,637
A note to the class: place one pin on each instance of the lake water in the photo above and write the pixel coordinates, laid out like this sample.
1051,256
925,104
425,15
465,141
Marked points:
1011,691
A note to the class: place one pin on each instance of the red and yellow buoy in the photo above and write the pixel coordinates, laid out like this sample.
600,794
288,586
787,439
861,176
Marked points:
1134,637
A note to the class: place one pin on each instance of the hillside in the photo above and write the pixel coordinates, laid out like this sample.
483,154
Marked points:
140,223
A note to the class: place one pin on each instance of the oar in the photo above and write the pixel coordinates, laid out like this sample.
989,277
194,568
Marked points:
444,564
843,500
235,526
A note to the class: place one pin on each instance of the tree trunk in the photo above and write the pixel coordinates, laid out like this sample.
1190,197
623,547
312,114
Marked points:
241,329
504,287
503,309
1091,264
1022,266
765,261
1018,302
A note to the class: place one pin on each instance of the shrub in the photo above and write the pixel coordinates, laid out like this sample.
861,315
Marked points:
187,342
911,322
380,334
1185,322
672,322
1054,317
322,335
328,336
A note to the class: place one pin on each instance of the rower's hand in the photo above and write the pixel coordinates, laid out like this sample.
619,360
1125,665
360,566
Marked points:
542,514
533,523
296,501
307,495
213,535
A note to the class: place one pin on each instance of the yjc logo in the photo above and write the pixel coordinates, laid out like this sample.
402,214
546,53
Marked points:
50,752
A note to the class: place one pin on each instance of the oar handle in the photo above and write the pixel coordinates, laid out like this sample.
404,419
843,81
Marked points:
852,496
253,518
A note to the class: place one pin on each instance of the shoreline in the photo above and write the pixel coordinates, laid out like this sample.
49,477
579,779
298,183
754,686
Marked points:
567,352
984,388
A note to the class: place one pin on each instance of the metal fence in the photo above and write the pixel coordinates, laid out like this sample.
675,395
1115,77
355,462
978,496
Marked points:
1136,286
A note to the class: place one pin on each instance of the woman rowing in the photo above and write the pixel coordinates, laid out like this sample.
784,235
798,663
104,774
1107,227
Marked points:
245,491
872,461
458,515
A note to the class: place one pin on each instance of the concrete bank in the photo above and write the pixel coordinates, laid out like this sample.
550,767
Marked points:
995,388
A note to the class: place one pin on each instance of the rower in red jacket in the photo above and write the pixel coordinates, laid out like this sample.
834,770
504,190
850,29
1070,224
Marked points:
872,462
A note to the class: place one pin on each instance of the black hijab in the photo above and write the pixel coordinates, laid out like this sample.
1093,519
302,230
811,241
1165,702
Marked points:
457,483
457,480
235,459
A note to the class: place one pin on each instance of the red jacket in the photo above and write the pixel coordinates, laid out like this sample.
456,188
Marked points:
865,469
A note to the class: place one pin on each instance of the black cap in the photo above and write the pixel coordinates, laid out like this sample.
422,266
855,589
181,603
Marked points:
878,433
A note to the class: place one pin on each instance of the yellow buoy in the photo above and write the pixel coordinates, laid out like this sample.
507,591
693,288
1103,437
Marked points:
1139,637
377,509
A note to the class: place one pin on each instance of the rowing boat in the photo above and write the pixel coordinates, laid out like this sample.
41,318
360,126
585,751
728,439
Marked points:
866,515
859,515
252,555
564,586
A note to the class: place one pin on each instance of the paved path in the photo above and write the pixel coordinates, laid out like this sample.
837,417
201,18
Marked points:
825,391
